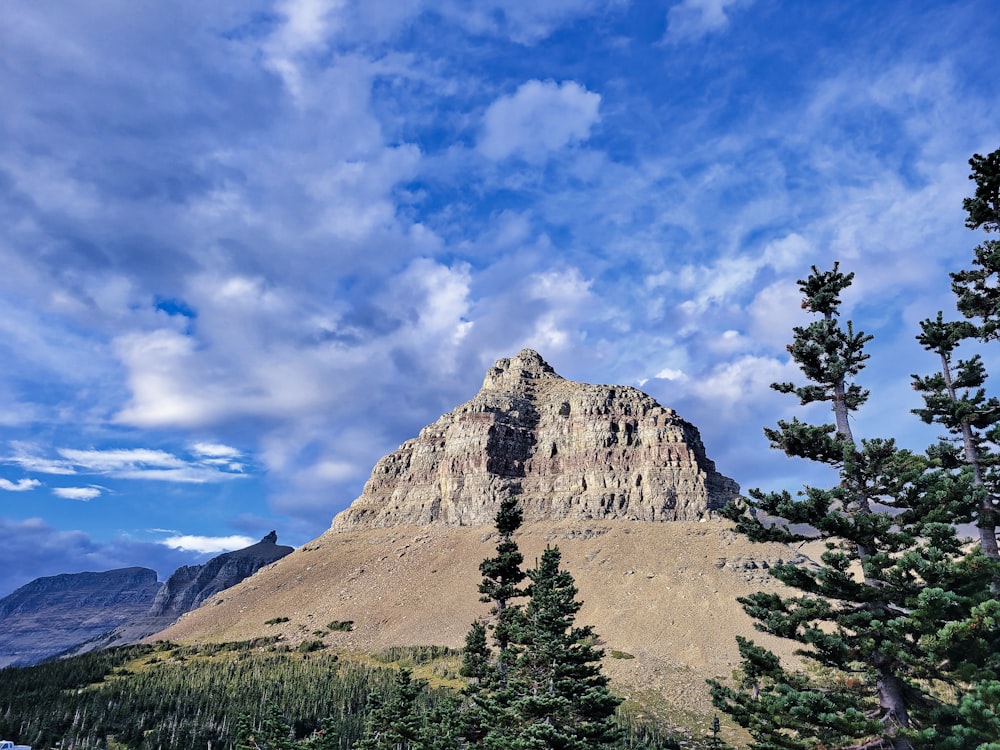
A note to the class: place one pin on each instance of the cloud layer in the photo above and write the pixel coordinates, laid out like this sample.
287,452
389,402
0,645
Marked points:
249,248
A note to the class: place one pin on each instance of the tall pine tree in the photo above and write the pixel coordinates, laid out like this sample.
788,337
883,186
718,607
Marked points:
540,686
563,701
893,571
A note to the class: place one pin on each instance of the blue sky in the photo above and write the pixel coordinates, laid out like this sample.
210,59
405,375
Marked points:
250,247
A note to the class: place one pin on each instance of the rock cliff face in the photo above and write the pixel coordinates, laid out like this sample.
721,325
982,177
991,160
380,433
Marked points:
569,450
190,585
49,615
80,612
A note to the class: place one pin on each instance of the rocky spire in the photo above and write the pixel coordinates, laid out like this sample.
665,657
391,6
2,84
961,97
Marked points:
568,449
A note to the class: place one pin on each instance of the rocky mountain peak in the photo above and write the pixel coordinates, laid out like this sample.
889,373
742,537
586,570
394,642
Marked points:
512,374
570,450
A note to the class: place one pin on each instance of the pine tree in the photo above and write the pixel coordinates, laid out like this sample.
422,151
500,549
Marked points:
890,516
274,732
490,692
970,644
394,722
563,701
541,686
327,737
955,398
502,579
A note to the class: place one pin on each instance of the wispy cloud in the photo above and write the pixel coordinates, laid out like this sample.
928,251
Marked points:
693,19
215,465
77,493
206,544
21,485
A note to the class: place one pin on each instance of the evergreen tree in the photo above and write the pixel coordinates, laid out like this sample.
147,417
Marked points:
502,579
563,701
394,722
274,732
541,687
244,734
869,631
955,398
983,208
327,737
490,692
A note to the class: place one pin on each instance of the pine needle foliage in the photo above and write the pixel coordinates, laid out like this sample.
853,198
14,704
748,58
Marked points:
541,687
870,614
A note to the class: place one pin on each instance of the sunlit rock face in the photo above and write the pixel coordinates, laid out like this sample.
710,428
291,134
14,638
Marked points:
567,449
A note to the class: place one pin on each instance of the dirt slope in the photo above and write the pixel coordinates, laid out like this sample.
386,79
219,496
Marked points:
662,592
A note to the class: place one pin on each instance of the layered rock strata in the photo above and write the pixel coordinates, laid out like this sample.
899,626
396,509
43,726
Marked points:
568,449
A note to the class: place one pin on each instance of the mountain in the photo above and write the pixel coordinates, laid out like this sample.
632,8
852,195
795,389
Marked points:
80,612
620,483
188,587
569,450
51,614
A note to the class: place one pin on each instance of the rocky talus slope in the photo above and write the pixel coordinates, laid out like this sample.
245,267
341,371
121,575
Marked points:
51,614
569,450
621,484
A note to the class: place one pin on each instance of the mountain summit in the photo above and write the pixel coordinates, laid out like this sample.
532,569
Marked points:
570,450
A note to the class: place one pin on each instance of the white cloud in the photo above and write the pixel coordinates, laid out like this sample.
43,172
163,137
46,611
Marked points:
215,450
734,386
693,19
20,485
207,544
668,373
773,313
566,297
537,119
77,493
116,461
133,463
26,456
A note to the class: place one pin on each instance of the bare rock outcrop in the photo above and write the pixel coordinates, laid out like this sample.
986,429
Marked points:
568,449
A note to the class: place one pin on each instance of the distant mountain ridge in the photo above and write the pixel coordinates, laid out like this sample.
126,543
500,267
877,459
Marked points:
78,612
190,585
51,614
